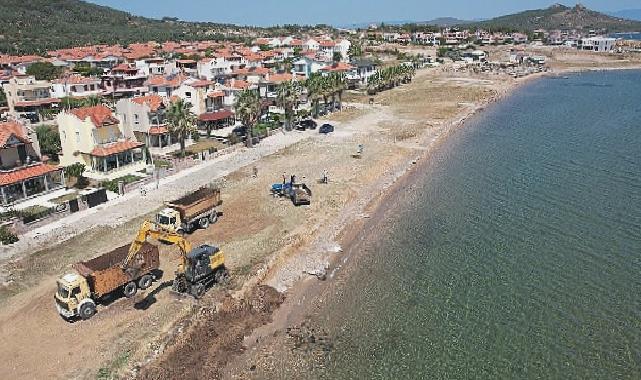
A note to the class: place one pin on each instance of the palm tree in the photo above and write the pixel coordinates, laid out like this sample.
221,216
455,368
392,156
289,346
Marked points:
181,121
287,97
339,86
314,92
91,101
248,110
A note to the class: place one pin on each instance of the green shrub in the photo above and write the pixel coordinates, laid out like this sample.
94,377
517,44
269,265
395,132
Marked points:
6,236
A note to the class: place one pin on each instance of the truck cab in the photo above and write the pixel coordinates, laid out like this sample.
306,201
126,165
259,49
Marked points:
169,219
73,297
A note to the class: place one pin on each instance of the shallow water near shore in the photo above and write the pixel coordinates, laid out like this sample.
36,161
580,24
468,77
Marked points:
514,253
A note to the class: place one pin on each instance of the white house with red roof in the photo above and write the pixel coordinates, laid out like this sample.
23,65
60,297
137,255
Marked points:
27,97
23,174
76,86
143,118
92,136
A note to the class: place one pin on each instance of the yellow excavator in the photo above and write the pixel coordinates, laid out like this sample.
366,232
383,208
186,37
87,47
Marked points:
199,268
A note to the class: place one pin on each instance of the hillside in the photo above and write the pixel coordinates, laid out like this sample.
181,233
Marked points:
558,17
35,26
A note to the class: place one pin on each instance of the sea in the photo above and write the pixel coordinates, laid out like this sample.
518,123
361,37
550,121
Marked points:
514,252
627,36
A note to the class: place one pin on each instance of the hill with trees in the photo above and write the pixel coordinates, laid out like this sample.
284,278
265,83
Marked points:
35,26
558,16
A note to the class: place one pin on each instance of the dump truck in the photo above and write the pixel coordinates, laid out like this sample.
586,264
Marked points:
195,210
78,293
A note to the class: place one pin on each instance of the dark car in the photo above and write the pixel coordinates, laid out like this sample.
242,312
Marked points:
326,128
307,124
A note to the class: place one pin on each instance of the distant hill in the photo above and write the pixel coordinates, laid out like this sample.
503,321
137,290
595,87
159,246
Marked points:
558,16
35,26
446,21
630,14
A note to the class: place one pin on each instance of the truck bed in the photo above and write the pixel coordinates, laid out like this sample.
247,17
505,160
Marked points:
196,203
105,274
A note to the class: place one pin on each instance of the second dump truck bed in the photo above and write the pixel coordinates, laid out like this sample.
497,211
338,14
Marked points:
196,203
105,274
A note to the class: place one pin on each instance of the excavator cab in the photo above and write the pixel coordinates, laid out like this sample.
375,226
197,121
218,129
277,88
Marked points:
202,267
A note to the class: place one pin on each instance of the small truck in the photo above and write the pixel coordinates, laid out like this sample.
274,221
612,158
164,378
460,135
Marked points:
195,210
298,192
78,293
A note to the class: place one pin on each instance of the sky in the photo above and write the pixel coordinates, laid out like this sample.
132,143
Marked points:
338,12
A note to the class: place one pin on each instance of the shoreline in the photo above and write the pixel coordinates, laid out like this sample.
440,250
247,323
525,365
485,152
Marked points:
302,296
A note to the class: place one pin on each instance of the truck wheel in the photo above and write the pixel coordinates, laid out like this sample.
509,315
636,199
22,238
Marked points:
213,218
87,310
145,281
203,223
130,289
180,232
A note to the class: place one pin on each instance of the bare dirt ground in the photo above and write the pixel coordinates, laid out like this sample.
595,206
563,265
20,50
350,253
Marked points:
267,242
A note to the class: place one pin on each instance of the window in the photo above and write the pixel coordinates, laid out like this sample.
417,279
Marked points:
188,94
136,119
77,137
75,291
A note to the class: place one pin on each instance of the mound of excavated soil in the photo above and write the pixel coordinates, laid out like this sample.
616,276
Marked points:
214,338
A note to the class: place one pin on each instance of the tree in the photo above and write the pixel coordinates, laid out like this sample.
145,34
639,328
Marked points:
49,141
181,121
355,50
314,91
338,85
76,170
44,71
337,57
248,110
92,101
287,97
3,98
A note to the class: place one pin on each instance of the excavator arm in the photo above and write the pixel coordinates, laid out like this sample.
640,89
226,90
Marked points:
154,231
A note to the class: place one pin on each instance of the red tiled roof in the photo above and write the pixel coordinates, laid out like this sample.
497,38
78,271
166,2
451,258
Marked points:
124,67
340,66
239,84
99,115
25,173
115,148
283,77
326,43
215,116
9,129
202,83
76,79
153,101
39,102
158,130
160,80
216,94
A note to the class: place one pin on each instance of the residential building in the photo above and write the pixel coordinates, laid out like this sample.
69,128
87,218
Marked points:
23,174
311,45
143,119
29,98
75,86
165,85
124,81
598,44
92,136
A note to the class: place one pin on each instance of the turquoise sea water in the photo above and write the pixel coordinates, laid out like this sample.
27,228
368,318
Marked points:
515,254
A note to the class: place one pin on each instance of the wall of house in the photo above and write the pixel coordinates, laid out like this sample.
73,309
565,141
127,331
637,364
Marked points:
75,136
133,118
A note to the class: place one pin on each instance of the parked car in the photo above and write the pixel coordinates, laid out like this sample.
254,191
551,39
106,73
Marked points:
306,124
326,128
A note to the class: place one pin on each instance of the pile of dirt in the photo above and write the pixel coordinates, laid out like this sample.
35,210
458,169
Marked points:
215,337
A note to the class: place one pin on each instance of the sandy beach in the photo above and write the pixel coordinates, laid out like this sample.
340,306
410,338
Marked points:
283,259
